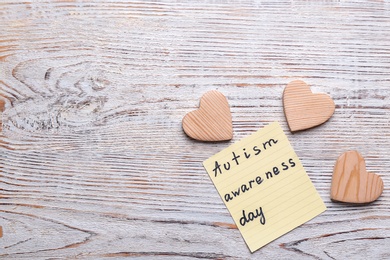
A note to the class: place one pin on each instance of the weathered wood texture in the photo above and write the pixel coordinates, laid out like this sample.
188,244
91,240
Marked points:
94,162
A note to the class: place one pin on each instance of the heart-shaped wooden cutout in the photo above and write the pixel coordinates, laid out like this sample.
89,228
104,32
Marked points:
212,121
352,183
303,109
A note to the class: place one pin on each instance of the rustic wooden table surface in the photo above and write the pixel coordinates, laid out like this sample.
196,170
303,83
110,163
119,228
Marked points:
94,162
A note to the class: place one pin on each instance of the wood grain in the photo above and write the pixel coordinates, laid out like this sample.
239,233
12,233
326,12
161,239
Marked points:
212,121
94,161
352,183
303,109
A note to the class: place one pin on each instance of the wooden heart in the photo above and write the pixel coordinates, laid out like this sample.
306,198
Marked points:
212,121
352,183
303,109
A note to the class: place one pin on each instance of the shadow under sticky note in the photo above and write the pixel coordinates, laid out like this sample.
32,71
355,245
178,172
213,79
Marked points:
264,186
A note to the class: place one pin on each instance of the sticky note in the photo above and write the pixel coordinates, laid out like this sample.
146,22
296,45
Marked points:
264,186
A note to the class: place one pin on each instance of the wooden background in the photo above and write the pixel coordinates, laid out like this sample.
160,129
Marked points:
94,162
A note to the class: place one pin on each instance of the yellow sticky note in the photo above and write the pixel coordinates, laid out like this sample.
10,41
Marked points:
264,186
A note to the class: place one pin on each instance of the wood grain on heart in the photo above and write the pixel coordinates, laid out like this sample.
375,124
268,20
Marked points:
303,109
1,231
212,121
352,183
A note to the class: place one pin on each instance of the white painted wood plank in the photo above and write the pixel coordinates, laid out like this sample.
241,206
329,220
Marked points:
94,162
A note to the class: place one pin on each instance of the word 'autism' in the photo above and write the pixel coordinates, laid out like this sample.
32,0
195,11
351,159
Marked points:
236,157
